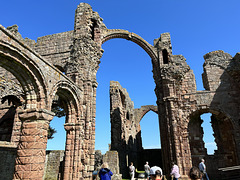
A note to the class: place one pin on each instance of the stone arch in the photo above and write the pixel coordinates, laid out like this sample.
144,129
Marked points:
140,113
118,33
26,72
70,94
223,129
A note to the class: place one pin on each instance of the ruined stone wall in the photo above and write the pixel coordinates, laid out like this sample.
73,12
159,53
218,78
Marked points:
8,153
125,131
55,48
183,105
224,105
53,165
175,100
111,157
78,54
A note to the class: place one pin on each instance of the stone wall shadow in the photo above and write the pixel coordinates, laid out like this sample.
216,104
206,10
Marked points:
222,78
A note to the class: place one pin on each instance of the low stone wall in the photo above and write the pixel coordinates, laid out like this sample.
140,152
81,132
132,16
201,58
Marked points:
8,154
111,157
53,166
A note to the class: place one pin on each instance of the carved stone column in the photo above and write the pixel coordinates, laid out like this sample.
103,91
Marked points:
31,150
69,151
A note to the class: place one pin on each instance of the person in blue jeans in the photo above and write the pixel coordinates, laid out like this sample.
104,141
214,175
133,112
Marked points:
202,168
105,173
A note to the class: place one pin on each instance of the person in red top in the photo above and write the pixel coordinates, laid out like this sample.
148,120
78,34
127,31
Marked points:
156,173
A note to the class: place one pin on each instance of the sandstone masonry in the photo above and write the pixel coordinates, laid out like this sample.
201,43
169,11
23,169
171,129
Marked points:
61,68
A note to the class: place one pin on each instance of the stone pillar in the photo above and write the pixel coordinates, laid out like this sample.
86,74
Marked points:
166,130
69,150
31,150
82,67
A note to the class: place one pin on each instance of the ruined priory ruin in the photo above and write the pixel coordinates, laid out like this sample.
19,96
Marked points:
59,70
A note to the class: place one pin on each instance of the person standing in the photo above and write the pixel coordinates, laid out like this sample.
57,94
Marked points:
202,168
132,171
175,171
156,173
105,173
147,170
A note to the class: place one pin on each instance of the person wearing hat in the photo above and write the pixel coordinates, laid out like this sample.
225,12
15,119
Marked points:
156,173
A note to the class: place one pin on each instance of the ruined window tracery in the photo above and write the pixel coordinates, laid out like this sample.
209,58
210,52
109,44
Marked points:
223,137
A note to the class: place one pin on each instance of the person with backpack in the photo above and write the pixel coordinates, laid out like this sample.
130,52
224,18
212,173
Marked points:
105,173
132,171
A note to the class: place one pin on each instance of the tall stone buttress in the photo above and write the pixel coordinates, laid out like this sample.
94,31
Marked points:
82,68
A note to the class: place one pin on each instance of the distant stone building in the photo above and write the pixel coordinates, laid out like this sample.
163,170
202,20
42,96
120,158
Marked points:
60,71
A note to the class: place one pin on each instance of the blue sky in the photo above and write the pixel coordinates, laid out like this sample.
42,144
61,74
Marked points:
196,27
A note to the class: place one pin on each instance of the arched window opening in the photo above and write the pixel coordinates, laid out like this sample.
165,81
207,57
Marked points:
94,25
125,62
8,108
211,137
150,131
165,56
56,132
208,133
151,142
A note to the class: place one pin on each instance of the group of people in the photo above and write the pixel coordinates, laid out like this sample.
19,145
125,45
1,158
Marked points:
195,173
155,172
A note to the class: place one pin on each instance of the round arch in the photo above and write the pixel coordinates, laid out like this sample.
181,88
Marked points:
70,94
26,72
119,33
